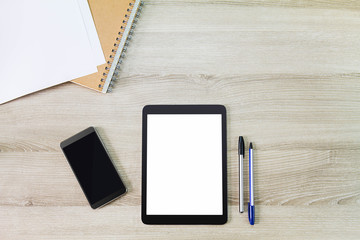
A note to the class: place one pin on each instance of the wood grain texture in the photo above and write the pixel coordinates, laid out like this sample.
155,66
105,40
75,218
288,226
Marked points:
288,74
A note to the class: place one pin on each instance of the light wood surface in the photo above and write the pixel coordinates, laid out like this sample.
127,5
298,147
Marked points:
288,73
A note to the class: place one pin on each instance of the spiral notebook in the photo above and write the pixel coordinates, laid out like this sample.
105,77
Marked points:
114,22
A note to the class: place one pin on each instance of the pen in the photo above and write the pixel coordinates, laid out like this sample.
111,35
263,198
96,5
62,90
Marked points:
251,206
241,154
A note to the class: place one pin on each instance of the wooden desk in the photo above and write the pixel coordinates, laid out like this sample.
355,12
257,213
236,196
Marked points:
288,73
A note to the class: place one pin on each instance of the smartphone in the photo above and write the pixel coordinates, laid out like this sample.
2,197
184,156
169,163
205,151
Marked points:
93,167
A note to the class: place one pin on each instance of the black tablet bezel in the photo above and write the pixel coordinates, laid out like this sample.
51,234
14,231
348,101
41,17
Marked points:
76,138
183,219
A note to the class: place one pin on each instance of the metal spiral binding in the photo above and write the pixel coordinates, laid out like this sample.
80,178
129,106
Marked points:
121,42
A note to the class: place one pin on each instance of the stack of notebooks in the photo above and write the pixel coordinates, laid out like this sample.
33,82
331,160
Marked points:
45,43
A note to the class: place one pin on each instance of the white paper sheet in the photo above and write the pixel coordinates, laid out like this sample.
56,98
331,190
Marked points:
91,32
42,43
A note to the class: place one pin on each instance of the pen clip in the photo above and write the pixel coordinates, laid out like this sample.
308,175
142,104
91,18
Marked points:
251,214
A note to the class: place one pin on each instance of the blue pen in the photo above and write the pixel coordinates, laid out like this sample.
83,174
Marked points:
251,206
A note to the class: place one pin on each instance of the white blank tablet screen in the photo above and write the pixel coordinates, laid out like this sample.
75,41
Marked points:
184,164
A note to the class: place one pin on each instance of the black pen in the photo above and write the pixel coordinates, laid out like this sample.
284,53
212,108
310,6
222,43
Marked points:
241,154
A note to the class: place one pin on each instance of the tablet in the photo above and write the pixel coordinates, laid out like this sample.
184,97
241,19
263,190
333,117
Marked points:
184,164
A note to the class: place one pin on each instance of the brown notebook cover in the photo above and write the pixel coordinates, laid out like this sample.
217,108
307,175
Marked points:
113,21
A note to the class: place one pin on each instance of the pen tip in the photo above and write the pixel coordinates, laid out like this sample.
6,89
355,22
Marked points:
251,145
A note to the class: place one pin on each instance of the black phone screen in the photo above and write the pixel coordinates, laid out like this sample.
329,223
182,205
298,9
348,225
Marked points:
93,168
